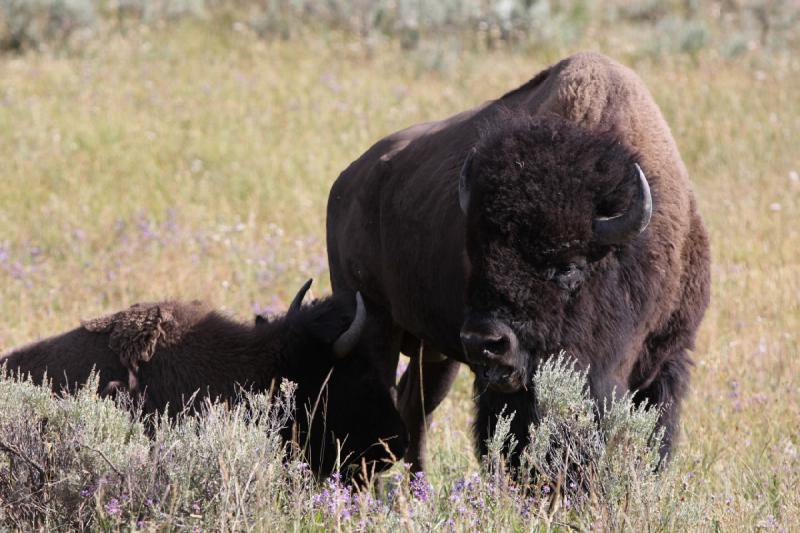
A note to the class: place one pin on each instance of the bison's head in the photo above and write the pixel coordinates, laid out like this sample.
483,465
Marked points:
550,210
345,418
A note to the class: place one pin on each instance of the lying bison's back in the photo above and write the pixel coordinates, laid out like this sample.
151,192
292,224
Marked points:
67,360
114,345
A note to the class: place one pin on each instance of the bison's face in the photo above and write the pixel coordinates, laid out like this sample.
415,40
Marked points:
545,203
345,419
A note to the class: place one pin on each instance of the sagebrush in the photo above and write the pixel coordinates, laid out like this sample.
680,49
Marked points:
80,461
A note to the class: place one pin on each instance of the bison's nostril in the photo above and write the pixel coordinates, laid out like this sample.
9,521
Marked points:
480,347
497,346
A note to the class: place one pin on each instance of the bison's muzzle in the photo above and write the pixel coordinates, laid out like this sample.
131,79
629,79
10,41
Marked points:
492,350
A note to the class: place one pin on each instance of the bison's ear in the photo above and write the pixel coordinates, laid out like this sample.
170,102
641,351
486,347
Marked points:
348,340
260,319
463,182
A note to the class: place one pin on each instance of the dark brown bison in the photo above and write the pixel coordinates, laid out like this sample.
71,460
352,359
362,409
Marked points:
558,217
167,351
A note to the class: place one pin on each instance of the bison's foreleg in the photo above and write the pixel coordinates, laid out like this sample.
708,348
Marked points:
419,396
490,404
667,391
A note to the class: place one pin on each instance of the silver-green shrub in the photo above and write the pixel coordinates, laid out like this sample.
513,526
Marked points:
82,462
31,23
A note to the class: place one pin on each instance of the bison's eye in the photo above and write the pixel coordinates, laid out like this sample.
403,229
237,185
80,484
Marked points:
570,277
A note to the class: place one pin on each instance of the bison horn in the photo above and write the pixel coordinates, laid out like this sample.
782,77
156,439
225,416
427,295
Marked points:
621,228
463,184
347,340
298,299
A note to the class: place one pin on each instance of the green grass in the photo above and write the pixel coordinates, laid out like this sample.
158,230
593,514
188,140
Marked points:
192,162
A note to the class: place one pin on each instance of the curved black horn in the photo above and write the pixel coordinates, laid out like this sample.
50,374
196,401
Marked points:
463,184
298,299
621,228
347,340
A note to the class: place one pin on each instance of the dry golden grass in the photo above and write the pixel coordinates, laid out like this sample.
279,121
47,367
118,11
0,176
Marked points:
185,163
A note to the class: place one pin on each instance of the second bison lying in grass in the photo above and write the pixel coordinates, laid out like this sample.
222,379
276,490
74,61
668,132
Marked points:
167,351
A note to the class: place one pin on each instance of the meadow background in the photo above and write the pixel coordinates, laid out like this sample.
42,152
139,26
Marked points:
185,149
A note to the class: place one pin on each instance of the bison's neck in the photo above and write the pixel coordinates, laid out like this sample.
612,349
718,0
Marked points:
268,351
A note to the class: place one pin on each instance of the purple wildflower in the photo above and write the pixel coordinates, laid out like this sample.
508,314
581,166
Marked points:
112,507
420,487
336,500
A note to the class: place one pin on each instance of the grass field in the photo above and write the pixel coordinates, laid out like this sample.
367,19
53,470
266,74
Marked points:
196,164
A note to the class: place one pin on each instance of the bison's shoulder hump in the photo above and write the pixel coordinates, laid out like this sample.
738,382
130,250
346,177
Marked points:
136,333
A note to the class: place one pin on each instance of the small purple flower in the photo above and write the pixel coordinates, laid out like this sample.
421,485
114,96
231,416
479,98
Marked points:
420,487
546,489
170,225
112,507
17,271
145,227
335,500
87,491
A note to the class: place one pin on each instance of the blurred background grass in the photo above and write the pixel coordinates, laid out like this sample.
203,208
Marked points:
186,148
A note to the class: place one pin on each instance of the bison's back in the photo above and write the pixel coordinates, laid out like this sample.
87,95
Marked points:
67,360
115,345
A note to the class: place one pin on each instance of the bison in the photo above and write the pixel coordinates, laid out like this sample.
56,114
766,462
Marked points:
168,351
557,217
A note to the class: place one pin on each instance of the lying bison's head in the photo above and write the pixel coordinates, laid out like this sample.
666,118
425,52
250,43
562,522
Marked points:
353,420
545,203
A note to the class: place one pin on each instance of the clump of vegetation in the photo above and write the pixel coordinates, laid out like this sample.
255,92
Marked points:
671,27
82,461
34,23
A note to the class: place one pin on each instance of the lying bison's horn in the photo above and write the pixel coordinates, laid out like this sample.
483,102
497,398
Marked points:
298,299
347,340
621,228
463,182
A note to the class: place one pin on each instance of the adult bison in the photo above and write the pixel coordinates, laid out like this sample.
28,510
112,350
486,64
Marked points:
166,352
558,217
